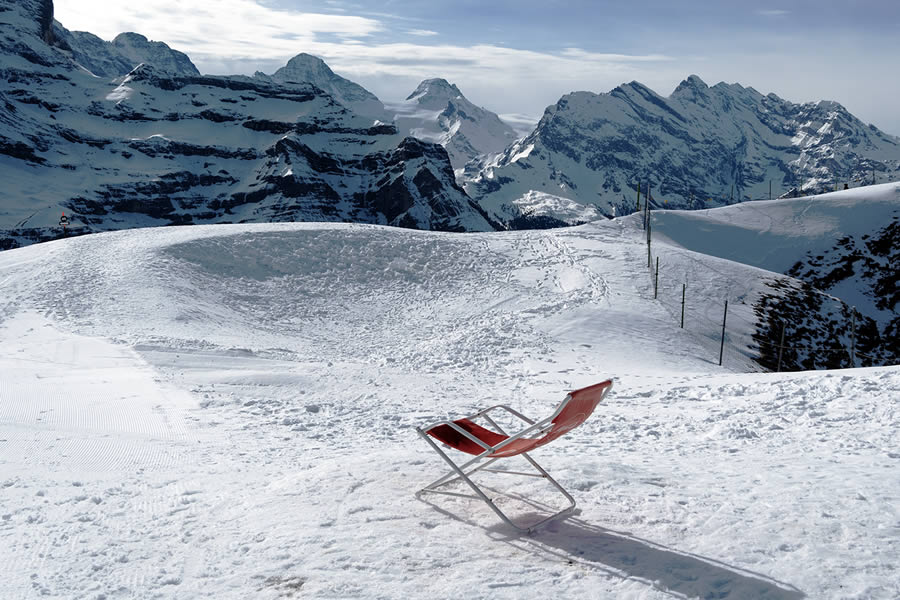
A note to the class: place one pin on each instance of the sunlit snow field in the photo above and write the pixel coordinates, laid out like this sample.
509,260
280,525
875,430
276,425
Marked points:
229,412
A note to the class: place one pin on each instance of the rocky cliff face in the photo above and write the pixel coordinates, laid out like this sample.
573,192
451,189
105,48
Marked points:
164,145
437,111
700,147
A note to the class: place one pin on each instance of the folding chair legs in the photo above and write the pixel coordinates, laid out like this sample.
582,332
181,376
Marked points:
459,472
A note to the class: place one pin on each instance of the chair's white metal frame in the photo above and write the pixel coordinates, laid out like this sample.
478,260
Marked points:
459,472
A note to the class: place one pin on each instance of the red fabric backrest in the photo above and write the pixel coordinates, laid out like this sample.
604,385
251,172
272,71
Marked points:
577,407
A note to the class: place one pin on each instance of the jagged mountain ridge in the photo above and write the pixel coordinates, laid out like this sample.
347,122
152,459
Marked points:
437,111
157,148
120,56
702,146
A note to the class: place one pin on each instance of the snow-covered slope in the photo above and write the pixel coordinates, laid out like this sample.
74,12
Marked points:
305,69
157,148
700,147
228,412
438,112
845,243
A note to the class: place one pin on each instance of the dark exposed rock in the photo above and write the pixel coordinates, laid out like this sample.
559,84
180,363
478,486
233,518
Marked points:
73,136
173,83
216,117
268,126
305,128
391,200
160,147
16,238
537,222
820,332
873,260
157,207
19,150
319,163
45,20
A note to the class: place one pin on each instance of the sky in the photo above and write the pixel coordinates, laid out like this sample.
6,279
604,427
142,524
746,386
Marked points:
518,57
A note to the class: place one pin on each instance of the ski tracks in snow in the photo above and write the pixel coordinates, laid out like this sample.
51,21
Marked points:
94,457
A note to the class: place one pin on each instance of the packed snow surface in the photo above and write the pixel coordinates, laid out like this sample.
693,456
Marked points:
229,412
773,234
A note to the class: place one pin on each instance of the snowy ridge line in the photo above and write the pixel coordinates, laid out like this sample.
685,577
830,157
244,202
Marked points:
746,336
791,193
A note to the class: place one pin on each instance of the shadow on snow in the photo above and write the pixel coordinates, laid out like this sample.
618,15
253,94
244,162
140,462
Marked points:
619,554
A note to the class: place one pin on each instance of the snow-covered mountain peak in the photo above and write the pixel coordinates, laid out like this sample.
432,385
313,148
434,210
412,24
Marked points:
438,111
306,68
573,101
633,88
692,82
693,88
138,49
435,89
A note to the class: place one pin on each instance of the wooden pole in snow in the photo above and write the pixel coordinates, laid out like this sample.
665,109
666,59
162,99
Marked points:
656,281
647,207
780,347
683,290
722,346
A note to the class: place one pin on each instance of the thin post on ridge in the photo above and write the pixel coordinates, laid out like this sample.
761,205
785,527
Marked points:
781,347
656,281
722,345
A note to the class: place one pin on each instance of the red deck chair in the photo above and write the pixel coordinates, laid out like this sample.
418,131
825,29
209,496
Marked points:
491,445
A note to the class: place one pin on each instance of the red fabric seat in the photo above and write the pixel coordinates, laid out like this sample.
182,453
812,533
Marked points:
573,411
455,439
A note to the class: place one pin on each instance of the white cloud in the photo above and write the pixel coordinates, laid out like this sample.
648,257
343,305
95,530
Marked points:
579,54
230,28
422,32
522,124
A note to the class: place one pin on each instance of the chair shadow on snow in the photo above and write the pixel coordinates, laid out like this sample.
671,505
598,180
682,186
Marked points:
619,554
